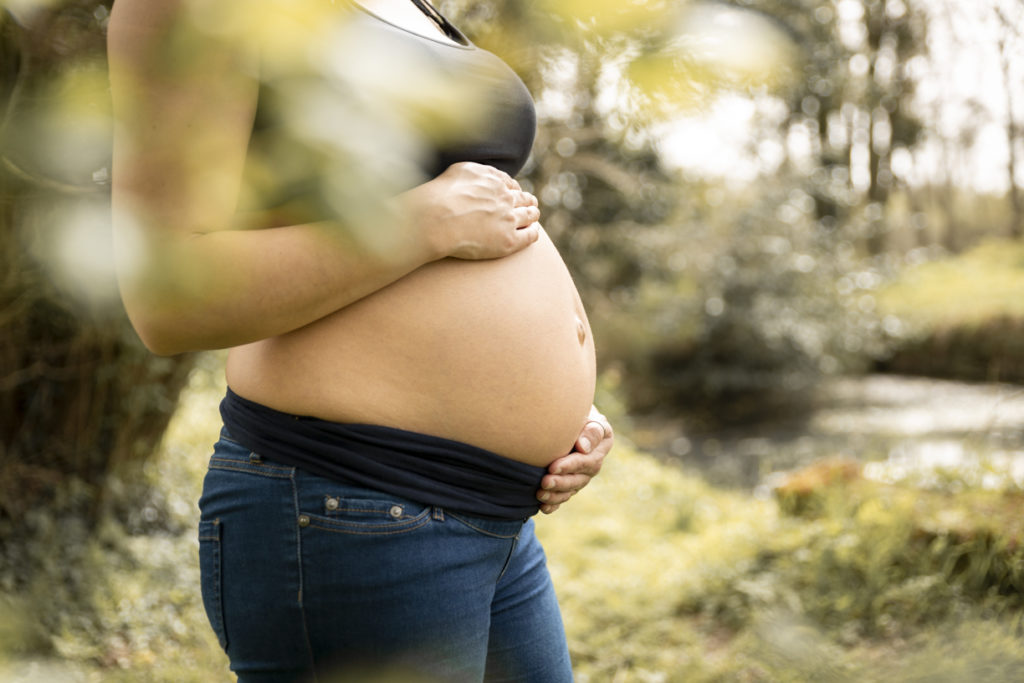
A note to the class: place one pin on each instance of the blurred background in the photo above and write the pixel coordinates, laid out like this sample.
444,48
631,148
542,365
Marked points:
798,230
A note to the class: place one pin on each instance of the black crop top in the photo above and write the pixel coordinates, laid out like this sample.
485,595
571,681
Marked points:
501,136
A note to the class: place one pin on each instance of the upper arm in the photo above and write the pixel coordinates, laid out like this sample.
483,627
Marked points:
183,104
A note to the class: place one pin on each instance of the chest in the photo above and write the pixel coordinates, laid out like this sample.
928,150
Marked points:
380,103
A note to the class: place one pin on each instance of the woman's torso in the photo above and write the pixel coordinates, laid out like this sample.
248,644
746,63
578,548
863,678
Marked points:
494,353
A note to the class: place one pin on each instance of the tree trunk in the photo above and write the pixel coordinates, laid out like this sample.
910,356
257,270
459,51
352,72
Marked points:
79,394
1012,132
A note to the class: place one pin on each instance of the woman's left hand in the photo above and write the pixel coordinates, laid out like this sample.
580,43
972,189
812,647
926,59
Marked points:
572,472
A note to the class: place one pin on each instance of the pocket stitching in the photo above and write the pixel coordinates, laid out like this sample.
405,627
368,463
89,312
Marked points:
474,527
368,528
263,469
215,608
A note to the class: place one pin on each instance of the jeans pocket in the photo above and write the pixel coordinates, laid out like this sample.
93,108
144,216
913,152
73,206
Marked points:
367,516
211,580
495,528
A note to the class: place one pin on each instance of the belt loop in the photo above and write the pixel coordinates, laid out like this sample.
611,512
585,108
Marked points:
437,513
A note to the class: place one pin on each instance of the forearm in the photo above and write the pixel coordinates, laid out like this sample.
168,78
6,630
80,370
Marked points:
189,278
233,287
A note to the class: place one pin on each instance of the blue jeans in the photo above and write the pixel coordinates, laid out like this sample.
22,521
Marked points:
308,579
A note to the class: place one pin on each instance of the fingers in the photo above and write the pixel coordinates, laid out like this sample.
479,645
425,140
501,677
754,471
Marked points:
525,209
594,432
597,417
588,464
485,214
570,473
525,205
485,169
558,488
507,180
525,236
524,199
519,197
525,215
576,472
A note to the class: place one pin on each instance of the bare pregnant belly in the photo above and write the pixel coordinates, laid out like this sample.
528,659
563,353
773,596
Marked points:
497,354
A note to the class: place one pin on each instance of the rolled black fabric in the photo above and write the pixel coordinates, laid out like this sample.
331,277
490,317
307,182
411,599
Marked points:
423,468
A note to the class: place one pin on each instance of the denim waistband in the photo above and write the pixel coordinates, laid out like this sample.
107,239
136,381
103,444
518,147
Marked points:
428,469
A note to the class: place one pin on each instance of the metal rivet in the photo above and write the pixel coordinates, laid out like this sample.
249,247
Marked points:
395,511
303,520
254,458
331,504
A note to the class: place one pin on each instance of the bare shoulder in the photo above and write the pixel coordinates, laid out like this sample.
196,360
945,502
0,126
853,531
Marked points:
184,98
135,25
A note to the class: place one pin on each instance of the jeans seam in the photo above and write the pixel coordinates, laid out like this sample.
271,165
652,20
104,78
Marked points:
367,532
215,580
228,438
508,560
367,511
298,557
225,464
482,531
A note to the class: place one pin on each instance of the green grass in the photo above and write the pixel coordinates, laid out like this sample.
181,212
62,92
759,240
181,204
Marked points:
964,316
981,284
661,578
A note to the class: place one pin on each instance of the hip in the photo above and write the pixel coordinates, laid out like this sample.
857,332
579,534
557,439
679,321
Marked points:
303,573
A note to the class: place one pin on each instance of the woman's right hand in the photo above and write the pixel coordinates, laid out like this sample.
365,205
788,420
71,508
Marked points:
474,211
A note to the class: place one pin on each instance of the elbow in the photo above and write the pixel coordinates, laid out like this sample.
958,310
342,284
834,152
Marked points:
168,319
162,345
170,330
166,326
161,334
169,310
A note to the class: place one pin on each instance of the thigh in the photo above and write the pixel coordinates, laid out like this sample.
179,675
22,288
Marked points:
249,566
527,638
388,580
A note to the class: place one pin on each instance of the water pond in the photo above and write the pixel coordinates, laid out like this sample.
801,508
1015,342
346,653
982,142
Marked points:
901,427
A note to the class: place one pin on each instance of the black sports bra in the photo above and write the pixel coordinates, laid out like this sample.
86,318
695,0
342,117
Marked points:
501,136
504,137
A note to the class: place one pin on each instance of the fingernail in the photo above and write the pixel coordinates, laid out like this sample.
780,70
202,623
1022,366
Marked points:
585,444
544,496
548,485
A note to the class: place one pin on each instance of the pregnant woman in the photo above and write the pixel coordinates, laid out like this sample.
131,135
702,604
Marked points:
393,419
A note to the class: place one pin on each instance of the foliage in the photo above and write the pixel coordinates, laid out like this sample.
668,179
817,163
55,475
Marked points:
962,290
79,395
661,578
664,578
961,316
122,597
743,304
683,291
854,102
